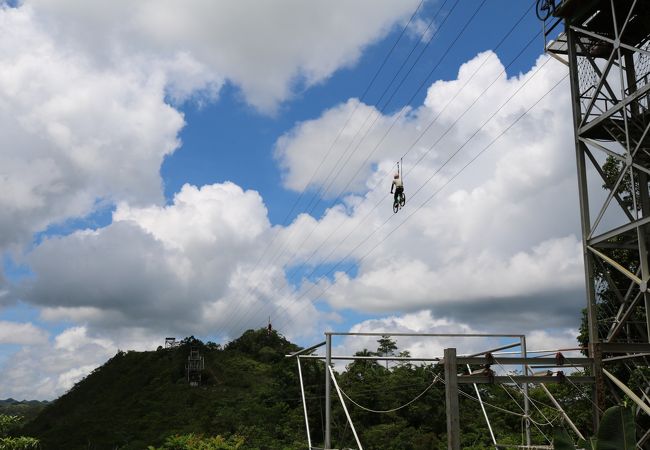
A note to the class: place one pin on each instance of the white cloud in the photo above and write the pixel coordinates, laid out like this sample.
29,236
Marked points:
429,132
21,333
469,339
554,339
413,283
186,268
421,322
73,133
47,369
266,48
74,338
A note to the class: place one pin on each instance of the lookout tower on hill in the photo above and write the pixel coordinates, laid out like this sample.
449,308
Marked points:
194,367
606,46
171,342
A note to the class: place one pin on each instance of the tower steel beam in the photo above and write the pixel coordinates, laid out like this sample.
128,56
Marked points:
607,45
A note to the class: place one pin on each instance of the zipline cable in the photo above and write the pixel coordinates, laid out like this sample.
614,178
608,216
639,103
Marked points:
428,181
335,229
381,200
437,171
385,106
435,192
340,132
328,182
321,192
448,103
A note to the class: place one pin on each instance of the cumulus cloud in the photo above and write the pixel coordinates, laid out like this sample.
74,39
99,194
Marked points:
490,247
265,48
45,369
554,338
186,268
430,132
21,333
85,90
488,252
4,291
490,240
73,133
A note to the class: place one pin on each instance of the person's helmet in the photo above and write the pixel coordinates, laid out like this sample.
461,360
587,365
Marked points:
396,176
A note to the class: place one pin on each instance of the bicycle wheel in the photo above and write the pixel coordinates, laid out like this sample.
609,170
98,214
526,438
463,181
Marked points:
543,9
402,199
395,207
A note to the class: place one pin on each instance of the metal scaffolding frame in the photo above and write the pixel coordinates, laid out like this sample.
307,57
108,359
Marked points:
194,367
450,361
606,45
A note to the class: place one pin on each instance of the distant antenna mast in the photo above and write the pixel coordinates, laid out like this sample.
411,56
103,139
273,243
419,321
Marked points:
269,328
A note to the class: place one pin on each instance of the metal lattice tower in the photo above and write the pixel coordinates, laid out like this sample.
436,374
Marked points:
194,367
606,47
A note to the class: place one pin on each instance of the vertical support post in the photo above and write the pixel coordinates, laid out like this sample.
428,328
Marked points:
644,196
585,221
451,397
596,352
643,248
328,401
524,387
304,402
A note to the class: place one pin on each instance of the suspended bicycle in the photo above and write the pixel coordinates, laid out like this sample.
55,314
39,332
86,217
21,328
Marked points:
399,203
544,9
399,198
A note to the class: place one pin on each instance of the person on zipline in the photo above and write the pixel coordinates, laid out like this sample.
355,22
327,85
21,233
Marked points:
399,187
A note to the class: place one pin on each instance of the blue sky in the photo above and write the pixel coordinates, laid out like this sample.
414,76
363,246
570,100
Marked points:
159,177
221,140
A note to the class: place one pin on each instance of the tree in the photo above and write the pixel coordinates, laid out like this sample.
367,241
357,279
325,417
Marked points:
387,347
198,442
9,423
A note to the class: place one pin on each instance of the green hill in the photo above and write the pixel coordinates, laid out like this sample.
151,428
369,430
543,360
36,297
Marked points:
27,409
137,399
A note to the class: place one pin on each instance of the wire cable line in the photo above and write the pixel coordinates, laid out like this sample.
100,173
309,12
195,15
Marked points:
403,110
362,220
523,392
321,192
433,195
430,124
363,96
340,132
526,416
435,380
441,187
428,180
329,179
498,408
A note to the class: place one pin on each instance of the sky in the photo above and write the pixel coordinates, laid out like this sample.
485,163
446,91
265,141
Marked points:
195,168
